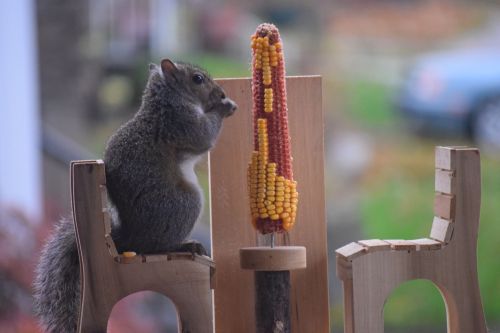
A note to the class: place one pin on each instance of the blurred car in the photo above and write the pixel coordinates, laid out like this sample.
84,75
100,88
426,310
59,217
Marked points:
455,92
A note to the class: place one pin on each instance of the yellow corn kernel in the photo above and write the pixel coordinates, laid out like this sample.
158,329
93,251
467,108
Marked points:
284,215
279,210
264,215
129,254
275,217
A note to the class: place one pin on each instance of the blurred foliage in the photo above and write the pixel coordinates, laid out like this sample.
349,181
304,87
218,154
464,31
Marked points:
219,66
369,103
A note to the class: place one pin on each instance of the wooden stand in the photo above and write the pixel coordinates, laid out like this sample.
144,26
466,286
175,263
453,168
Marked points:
372,269
235,293
107,276
272,268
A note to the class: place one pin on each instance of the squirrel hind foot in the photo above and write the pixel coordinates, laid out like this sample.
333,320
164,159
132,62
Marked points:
193,247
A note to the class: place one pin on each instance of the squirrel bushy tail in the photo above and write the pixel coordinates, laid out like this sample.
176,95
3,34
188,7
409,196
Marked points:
57,281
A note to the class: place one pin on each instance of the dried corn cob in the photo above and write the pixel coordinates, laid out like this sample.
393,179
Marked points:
273,192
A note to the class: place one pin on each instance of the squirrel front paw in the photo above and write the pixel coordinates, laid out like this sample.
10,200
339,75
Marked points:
193,247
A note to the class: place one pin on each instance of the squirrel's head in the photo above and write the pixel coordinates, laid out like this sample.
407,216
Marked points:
191,84
187,105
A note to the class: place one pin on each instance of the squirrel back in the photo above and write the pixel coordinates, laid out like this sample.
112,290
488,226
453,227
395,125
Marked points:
151,183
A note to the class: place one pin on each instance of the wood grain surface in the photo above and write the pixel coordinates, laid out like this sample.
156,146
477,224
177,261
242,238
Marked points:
231,226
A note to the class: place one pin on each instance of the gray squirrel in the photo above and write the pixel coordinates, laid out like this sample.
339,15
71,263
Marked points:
151,184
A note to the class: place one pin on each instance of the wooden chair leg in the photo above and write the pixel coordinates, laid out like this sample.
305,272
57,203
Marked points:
465,314
195,312
94,317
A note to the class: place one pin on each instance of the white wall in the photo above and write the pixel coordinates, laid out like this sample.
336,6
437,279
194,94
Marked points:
20,155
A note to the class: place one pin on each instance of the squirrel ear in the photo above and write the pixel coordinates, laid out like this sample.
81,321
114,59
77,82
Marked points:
168,67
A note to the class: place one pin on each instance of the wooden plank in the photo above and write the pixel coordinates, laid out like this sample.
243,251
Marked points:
107,222
231,227
401,245
444,206
156,257
374,245
442,230
111,245
444,181
351,251
427,244
445,158
344,268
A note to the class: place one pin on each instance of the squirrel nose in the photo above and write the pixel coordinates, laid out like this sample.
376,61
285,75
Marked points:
232,106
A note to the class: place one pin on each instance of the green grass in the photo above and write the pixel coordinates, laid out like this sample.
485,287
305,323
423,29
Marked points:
398,204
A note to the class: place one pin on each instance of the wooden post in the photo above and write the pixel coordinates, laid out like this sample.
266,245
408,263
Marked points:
272,268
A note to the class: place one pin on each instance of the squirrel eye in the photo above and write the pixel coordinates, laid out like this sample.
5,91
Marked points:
198,78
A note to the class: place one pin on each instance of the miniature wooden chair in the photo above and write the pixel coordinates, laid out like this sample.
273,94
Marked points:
107,276
372,269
